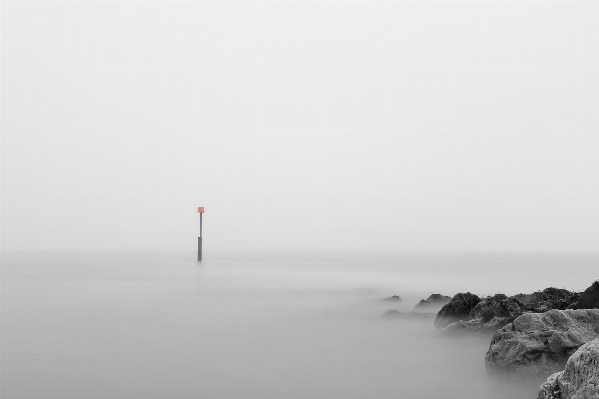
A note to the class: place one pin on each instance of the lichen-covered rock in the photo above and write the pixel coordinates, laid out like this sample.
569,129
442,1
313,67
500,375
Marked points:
580,379
589,298
541,342
490,314
433,303
550,389
457,309
549,298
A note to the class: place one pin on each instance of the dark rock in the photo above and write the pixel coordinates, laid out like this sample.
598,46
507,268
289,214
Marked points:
393,298
392,313
580,379
489,314
589,298
541,342
434,302
457,309
549,298
560,298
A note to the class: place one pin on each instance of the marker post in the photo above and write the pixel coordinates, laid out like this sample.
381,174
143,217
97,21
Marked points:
201,212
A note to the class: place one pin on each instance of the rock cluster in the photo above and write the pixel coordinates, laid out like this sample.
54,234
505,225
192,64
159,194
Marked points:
541,342
433,302
490,314
589,298
496,311
549,298
579,380
457,309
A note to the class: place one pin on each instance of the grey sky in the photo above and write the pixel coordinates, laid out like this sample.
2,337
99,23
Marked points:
300,125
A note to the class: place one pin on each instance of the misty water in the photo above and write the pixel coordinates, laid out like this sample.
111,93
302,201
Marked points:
162,325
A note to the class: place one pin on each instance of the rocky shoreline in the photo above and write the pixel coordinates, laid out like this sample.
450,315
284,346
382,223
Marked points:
540,333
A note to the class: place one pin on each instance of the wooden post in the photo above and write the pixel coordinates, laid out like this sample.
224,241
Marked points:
200,211
199,248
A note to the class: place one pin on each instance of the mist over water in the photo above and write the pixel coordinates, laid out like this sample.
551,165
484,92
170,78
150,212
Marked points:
157,325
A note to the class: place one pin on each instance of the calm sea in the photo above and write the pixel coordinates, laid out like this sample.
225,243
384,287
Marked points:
162,325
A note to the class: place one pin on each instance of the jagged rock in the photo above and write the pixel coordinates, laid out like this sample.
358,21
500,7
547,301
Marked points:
392,313
580,379
489,314
589,298
550,389
457,309
541,342
394,298
549,298
433,302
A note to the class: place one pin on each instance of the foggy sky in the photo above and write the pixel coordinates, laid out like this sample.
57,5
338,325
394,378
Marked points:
396,126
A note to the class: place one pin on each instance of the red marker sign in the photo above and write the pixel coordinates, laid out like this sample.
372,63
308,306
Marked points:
200,209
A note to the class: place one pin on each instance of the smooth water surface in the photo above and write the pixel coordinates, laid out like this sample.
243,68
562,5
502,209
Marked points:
162,325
